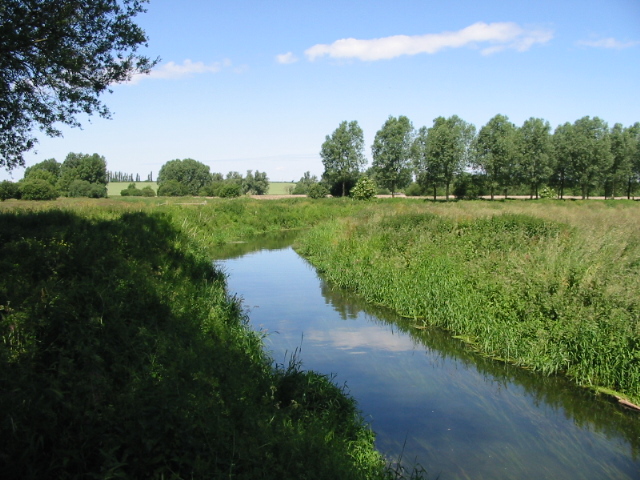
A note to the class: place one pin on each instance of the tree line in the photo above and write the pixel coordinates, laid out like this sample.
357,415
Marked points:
80,175
584,157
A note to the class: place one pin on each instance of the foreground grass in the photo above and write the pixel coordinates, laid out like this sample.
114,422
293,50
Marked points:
123,357
551,286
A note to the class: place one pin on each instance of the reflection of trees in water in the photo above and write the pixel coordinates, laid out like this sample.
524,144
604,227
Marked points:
268,241
589,412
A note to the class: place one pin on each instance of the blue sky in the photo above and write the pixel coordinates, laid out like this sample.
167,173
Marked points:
258,84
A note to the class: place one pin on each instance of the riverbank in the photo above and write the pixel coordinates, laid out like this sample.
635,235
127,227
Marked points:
123,356
549,286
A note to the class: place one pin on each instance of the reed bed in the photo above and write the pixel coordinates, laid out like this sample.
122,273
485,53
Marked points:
551,286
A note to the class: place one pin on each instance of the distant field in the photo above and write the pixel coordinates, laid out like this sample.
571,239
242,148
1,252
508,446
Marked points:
114,188
280,188
275,188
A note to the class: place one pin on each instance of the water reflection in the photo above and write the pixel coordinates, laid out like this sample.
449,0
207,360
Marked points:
458,414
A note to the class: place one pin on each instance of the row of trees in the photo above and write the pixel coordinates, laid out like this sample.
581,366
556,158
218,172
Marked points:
190,177
126,177
80,175
586,155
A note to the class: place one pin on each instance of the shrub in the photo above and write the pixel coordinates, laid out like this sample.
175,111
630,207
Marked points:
38,189
83,188
548,192
148,192
172,188
414,190
9,190
229,190
365,189
317,190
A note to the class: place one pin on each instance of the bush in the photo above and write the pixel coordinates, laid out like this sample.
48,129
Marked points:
548,192
414,190
229,190
317,190
365,189
38,189
83,188
172,188
148,192
9,190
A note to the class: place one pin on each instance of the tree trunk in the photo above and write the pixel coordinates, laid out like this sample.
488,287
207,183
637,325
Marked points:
434,193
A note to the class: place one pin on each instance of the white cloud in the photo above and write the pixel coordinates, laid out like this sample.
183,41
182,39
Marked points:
608,43
172,70
286,58
500,36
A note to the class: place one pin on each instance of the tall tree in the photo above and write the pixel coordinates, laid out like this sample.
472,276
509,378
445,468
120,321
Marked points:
255,184
623,149
591,156
444,152
81,166
534,149
58,57
428,174
189,173
391,152
495,152
342,154
562,139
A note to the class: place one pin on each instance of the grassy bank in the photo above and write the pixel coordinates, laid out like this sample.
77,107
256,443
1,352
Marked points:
123,356
551,286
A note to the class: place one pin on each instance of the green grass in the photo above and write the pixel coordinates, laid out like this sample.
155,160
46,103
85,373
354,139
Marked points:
123,356
549,286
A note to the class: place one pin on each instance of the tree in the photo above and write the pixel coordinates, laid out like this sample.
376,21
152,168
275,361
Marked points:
50,165
302,187
442,151
80,166
495,152
591,156
191,174
561,140
391,152
534,152
58,58
342,155
255,184
623,149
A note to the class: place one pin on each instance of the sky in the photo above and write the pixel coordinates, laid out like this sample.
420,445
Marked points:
258,84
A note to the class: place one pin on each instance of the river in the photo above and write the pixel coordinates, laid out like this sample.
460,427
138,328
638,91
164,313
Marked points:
429,399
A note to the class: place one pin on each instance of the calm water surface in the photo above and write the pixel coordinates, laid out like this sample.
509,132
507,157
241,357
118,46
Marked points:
428,399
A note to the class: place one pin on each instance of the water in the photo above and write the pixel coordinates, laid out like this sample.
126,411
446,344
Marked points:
429,399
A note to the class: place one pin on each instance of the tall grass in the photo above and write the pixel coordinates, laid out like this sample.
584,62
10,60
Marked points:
123,356
550,286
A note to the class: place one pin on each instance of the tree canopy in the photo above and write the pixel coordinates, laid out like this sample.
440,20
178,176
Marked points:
391,152
495,152
343,154
189,173
58,57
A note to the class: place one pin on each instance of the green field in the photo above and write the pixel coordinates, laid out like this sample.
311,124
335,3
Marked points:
280,188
